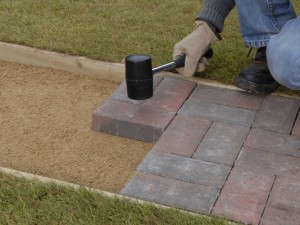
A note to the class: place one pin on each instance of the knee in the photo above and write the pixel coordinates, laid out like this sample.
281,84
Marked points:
284,62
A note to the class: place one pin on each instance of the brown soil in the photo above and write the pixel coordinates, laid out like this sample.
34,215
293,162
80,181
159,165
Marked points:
45,128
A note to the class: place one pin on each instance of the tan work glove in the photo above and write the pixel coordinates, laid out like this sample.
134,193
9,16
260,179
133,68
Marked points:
195,46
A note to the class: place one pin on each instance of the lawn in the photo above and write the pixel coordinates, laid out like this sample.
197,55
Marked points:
24,202
110,30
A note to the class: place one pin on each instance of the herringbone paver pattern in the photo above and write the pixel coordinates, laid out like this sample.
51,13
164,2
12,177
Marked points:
225,152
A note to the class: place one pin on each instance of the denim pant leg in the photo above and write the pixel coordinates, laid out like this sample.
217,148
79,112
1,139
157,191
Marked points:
261,19
283,55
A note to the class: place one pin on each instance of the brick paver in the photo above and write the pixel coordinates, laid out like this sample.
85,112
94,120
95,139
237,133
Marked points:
120,94
130,120
276,216
285,194
240,99
182,136
244,196
185,169
284,203
222,143
239,207
273,142
243,181
268,162
143,120
170,94
225,152
217,112
171,192
277,113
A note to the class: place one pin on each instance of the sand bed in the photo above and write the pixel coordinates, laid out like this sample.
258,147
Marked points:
45,120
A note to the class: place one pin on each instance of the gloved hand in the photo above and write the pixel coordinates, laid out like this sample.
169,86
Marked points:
194,46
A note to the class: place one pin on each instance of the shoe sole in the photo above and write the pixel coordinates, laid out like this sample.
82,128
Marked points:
256,88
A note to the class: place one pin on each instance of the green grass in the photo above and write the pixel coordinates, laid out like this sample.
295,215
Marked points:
23,202
109,30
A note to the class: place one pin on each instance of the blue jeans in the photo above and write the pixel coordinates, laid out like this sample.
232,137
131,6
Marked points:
283,55
273,23
261,19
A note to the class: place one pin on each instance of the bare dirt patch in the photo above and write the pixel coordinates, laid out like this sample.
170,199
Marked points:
45,128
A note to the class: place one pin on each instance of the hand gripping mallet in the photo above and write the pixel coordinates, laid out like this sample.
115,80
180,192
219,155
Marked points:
139,74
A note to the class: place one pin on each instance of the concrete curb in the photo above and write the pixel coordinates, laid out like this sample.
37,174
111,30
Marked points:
74,64
79,64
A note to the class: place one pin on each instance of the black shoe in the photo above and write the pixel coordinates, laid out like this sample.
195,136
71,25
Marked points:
256,77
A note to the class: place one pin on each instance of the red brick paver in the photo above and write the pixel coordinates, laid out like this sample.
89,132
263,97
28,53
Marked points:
285,194
131,120
143,120
244,196
170,94
284,203
182,136
277,113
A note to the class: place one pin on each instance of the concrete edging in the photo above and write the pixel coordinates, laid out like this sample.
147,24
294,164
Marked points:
74,64
79,64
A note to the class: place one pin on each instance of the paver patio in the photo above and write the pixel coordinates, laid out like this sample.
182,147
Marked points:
216,151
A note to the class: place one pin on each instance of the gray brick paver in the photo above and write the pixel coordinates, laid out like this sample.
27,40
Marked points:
222,143
170,192
273,142
268,162
217,112
223,96
275,216
185,169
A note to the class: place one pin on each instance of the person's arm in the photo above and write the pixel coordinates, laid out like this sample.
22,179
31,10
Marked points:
215,12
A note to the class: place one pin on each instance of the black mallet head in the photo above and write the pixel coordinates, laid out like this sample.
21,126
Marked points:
139,73
139,76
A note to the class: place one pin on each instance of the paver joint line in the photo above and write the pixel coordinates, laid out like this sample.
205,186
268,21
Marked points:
267,201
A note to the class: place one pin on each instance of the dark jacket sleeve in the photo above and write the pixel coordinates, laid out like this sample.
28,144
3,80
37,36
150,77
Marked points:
215,12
